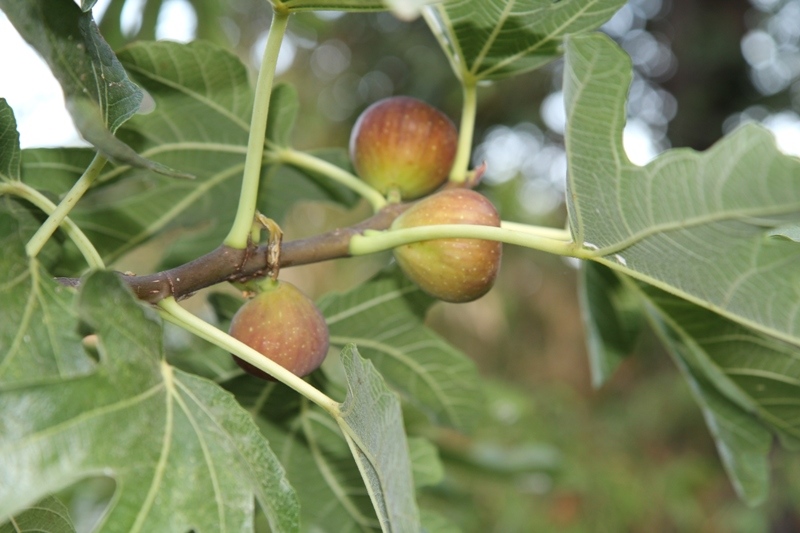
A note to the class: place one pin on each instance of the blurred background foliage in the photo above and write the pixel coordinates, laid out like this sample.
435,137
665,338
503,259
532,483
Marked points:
551,454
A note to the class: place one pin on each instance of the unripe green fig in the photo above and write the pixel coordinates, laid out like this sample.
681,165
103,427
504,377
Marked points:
403,144
453,270
284,325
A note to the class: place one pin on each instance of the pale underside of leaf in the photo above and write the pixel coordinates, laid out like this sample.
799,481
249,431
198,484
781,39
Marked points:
693,224
372,423
718,358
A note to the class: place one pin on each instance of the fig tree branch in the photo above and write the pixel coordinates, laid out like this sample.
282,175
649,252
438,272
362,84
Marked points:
238,265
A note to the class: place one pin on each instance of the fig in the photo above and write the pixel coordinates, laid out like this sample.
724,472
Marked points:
284,325
453,270
403,144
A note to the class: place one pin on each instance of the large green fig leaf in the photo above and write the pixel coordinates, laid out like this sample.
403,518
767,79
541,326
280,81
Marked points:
697,226
384,318
97,91
183,453
694,224
493,39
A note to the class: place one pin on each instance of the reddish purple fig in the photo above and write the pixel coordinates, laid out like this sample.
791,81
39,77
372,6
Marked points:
453,270
284,325
403,144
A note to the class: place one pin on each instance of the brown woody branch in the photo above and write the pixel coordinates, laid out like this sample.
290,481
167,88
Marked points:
229,264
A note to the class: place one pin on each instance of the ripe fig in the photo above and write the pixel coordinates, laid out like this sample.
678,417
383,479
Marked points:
453,270
404,144
285,326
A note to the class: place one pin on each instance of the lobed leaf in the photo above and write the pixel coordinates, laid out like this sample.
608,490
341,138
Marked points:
493,39
199,459
698,226
694,224
385,319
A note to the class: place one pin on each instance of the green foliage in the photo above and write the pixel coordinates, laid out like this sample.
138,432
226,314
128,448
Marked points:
612,320
9,143
37,322
187,433
500,39
48,515
397,431
97,91
384,318
372,426
694,224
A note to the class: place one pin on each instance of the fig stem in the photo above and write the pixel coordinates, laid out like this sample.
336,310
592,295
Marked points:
545,241
75,234
459,172
246,210
172,312
57,216
311,163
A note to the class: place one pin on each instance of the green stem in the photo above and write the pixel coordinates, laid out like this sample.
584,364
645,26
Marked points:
378,241
75,234
54,220
174,313
237,238
560,234
320,166
458,174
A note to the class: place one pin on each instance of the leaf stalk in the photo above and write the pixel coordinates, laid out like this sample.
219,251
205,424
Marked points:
81,241
378,241
320,166
246,210
57,216
466,131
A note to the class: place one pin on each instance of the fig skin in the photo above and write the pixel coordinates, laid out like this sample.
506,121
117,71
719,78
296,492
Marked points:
403,144
284,325
453,270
